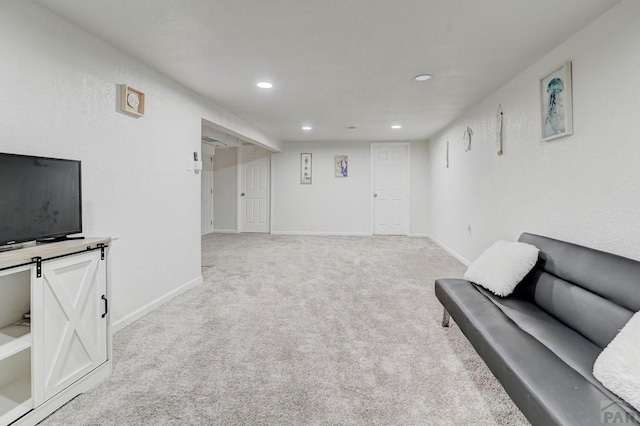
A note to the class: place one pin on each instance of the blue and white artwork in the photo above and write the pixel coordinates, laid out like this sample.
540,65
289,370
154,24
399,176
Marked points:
342,166
556,97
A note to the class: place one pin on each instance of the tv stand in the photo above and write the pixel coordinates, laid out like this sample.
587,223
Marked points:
58,239
65,350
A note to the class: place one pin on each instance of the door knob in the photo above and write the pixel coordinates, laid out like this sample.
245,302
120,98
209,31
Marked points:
375,195
242,195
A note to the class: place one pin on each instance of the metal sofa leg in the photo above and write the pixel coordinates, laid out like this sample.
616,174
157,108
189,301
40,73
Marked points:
445,318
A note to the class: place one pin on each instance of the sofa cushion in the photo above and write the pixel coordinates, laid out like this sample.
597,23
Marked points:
542,385
592,315
592,292
618,368
567,344
612,277
502,266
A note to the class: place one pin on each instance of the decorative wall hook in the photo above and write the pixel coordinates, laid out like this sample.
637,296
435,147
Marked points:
467,139
499,117
447,152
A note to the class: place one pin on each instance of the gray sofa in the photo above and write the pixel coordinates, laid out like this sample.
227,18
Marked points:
541,342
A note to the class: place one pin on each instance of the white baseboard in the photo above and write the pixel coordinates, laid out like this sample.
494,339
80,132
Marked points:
323,233
450,251
225,231
348,234
134,316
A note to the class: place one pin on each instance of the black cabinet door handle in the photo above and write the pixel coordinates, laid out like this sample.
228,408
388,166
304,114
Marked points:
106,306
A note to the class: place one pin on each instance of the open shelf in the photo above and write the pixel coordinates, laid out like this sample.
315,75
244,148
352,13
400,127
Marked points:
13,339
15,399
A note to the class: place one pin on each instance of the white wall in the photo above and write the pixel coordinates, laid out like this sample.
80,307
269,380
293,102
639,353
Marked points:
419,188
584,188
339,206
225,189
58,88
207,153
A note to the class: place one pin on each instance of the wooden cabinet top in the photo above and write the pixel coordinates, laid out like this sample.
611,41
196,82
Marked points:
46,251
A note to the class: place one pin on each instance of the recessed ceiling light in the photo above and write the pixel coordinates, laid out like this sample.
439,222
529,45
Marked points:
306,127
423,77
396,126
264,85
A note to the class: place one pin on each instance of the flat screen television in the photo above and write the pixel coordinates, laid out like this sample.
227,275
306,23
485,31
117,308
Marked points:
40,198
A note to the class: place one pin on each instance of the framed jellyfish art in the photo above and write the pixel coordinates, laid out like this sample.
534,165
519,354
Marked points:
556,102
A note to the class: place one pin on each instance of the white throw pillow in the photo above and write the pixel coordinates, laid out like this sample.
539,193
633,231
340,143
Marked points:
502,266
618,366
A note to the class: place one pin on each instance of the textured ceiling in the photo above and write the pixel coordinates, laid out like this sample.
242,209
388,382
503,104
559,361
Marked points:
337,63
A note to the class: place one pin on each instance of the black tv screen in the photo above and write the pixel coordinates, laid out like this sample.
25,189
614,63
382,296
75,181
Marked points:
40,198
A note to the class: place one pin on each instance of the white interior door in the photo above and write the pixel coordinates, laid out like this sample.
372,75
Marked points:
207,193
255,188
390,188
70,334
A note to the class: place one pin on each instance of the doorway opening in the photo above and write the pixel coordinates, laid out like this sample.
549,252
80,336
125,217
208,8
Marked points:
236,183
219,181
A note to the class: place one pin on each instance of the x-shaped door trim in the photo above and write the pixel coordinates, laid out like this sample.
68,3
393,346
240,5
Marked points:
73,315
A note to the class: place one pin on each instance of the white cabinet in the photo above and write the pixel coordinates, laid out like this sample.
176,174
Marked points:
70,333
65,350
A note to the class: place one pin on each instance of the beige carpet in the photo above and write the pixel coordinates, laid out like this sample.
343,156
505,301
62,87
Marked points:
289,330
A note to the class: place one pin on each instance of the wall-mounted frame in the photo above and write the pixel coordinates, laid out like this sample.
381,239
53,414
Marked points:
132,100
556,97
341,165
305,168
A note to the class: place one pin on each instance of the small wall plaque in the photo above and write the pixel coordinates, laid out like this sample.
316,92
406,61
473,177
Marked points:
131,100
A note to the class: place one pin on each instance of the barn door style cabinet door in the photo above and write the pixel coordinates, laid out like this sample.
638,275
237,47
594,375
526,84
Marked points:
70,333
65,350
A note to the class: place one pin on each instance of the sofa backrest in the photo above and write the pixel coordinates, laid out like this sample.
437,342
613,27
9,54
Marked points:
593,292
